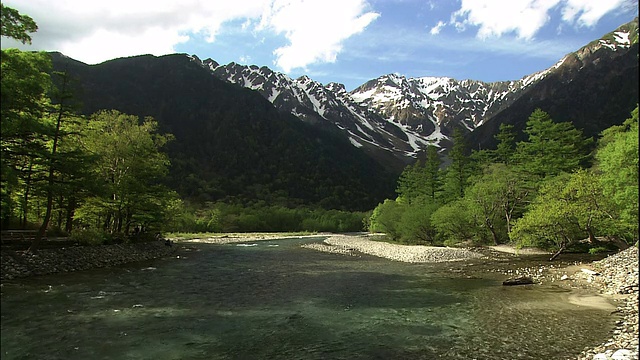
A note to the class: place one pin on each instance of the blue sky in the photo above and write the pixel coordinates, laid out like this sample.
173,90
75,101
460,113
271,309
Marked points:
345,41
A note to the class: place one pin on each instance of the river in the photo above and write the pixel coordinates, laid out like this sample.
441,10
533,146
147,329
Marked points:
275,300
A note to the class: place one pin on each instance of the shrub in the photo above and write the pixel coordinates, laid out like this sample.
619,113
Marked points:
386,218
90,237
598,250
415,223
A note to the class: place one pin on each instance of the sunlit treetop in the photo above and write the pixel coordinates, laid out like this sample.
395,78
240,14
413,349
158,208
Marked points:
16,25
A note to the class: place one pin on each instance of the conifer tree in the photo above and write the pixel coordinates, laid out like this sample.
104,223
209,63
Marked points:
433,183
459,170
505,149
551,148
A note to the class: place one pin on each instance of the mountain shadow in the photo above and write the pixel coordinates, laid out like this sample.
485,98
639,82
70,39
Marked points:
230,143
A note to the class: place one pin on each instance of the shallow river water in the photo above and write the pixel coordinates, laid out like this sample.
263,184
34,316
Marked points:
276,300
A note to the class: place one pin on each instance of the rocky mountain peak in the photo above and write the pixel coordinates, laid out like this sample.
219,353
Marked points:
396,115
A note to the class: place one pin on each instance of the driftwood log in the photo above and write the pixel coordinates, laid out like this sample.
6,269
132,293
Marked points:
523,280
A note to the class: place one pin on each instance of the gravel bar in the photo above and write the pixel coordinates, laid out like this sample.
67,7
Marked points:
404,253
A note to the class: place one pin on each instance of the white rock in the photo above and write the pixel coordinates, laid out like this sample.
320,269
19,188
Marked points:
600,356
622,354
564,277
590,272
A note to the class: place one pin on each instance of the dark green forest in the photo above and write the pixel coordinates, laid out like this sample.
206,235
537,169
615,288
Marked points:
229,162
230,144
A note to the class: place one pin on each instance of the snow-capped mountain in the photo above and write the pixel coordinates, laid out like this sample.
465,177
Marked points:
393,117
328,106
432,106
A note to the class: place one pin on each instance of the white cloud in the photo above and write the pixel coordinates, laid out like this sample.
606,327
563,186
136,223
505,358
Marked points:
495,18
94,31
436,29
99,30
587,13
315,29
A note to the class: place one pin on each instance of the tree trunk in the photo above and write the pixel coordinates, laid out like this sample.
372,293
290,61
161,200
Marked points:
562,248
59,218
47,216
50,178
71,206
27,188
127,222
107,223
493,234
592,237
119,222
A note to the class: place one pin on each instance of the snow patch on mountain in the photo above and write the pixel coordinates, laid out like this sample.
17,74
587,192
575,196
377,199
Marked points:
394,113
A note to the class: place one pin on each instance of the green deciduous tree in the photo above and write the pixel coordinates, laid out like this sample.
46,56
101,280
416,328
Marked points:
583,195
499,195
456,222
617,165
415,225
129,170
549,223
568,208
24,137
386,218
59,165
16,25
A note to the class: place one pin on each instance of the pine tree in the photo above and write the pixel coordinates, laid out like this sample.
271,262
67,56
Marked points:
505,149
458,172
433,183
552,148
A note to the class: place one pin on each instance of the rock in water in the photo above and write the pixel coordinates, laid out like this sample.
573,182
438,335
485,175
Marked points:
523,280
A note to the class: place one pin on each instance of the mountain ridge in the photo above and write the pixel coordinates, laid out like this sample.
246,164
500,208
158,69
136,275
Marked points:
247,133
417,111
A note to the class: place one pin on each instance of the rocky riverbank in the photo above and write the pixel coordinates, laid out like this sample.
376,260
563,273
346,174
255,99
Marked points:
19,264
242,238
615,276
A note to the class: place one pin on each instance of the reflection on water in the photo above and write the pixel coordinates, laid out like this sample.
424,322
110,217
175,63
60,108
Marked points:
286,302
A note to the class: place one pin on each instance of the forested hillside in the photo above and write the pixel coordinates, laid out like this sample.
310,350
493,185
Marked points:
593,88
230,144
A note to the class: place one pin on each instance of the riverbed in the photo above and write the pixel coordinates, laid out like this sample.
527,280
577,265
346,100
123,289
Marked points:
274,299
